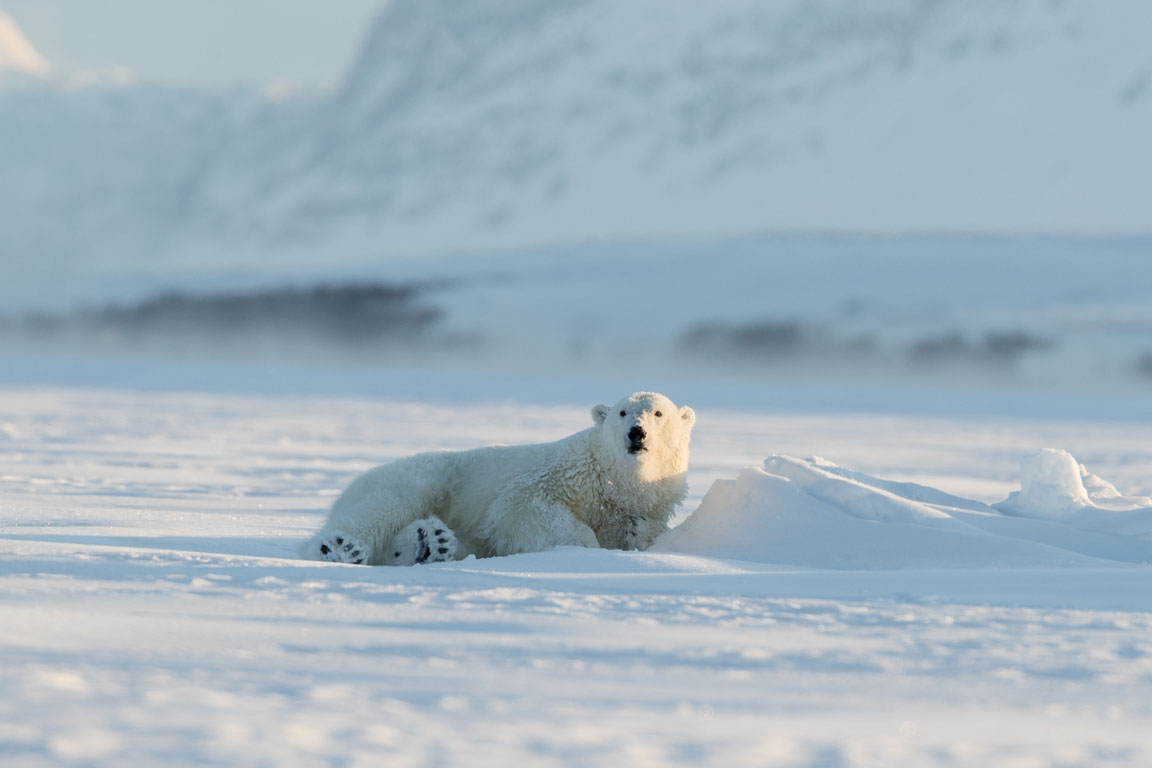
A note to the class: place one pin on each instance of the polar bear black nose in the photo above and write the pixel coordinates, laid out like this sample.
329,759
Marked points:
636,434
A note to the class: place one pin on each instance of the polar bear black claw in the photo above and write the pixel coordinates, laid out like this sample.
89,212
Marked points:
423,541
341,548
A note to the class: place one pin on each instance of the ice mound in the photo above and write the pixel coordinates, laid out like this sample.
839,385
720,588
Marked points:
1054,486
810,512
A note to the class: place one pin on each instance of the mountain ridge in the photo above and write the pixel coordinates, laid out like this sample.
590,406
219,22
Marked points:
16,53
507,125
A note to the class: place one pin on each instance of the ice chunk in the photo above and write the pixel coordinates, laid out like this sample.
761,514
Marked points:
1054,486
1050,486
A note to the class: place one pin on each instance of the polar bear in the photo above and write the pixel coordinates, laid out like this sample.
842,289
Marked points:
613,485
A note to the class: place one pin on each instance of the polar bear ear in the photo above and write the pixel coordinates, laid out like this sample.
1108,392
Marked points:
688,415
599,413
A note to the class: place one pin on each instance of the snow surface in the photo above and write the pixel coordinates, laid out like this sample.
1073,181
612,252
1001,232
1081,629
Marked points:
814,513
154,614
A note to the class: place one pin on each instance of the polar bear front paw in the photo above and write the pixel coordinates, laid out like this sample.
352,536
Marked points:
423,541
640,532
341,548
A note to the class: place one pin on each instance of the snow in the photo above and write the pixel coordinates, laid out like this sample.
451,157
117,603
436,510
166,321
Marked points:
1056,487
813,513
950,586
154,612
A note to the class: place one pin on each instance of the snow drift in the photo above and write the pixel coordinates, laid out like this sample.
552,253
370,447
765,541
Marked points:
816,514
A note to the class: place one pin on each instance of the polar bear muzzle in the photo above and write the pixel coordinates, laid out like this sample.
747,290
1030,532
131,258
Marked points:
636,437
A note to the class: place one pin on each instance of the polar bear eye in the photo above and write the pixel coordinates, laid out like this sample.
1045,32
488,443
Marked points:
623,414
657,414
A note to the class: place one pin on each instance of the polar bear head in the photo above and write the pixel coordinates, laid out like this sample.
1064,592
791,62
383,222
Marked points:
644,436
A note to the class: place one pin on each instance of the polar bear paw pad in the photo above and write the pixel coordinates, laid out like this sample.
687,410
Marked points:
424,541
340,548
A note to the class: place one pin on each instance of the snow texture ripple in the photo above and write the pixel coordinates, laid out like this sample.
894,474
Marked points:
154,612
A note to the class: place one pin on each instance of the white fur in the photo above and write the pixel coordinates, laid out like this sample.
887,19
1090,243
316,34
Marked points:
585,490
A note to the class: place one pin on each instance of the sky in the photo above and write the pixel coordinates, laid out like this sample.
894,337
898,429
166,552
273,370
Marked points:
305,43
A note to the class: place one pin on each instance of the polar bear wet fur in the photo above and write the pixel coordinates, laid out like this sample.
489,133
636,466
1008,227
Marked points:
613,485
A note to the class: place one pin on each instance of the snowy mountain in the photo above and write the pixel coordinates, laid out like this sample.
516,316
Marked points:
510,124
17,55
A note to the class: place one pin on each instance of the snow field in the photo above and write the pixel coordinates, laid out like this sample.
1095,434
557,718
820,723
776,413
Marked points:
154,614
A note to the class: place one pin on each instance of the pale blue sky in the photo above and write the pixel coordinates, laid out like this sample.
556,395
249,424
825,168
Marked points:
200,42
